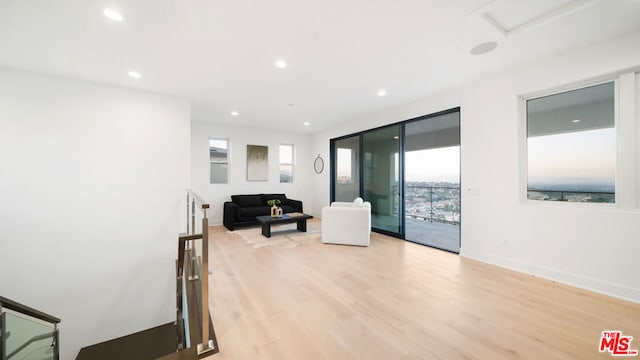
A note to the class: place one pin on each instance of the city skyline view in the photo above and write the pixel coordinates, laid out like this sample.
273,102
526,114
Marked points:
583,160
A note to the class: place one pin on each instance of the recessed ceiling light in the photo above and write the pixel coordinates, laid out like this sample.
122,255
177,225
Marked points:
280,64
483,48
135,74
113,14
382,92
575,121
306,123
235,113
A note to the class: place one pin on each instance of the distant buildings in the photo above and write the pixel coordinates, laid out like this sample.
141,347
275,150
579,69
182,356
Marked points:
433,201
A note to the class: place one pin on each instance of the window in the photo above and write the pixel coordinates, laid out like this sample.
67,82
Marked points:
345,168
286,163
571,146
219,161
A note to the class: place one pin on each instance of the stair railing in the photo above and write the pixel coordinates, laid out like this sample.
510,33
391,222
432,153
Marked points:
27,332
192,281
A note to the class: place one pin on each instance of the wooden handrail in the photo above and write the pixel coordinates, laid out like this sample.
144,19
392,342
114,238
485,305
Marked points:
186,237
15,306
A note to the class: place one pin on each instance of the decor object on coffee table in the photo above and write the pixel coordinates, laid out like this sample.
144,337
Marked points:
347,223
275,210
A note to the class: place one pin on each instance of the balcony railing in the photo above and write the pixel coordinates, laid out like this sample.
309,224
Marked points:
571,196
26,333
442,203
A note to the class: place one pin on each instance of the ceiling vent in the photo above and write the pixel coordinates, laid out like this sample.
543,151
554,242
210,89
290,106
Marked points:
505,18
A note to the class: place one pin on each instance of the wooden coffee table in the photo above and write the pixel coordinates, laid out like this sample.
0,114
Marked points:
267,221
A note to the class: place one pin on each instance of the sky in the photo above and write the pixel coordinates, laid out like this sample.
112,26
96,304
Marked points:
218,143
286,154
344,162
425,165
580,157
585,156
437,165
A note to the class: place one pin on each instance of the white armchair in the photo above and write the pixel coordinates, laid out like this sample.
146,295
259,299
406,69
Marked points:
347,223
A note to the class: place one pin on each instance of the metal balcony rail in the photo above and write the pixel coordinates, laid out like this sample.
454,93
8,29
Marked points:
442,194
195,328
571,195
27,333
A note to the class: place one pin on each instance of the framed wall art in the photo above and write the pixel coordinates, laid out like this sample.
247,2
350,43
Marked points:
257,163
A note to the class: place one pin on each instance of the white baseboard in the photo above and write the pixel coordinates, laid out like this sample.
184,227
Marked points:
595,285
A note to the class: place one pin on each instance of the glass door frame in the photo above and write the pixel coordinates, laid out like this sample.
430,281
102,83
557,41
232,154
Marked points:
400,207
426,117
333,173
401,163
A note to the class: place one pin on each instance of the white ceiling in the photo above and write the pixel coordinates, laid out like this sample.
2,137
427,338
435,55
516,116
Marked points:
220,53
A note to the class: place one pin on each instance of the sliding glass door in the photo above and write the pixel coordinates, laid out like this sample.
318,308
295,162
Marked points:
410,173
432,186
346,168
381,177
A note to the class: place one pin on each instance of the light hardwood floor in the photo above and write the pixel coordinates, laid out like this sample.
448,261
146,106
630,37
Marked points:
397,300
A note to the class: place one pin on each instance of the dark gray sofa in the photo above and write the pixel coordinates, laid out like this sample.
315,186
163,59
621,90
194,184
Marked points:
243,209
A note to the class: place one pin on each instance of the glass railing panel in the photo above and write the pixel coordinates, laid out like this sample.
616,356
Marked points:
197,256
185,314
433,203
432,216
28,338
446,205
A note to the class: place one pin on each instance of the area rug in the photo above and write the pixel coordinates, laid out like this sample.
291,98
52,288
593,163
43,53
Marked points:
282,236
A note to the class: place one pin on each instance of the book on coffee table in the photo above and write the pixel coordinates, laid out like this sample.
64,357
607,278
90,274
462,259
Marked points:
295,214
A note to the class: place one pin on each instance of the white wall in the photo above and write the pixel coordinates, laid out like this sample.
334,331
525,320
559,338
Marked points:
593,247
91,182
239,138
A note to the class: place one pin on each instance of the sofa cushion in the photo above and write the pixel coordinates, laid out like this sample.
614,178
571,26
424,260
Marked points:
358,202
267,197
247,200
287,209
253,211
